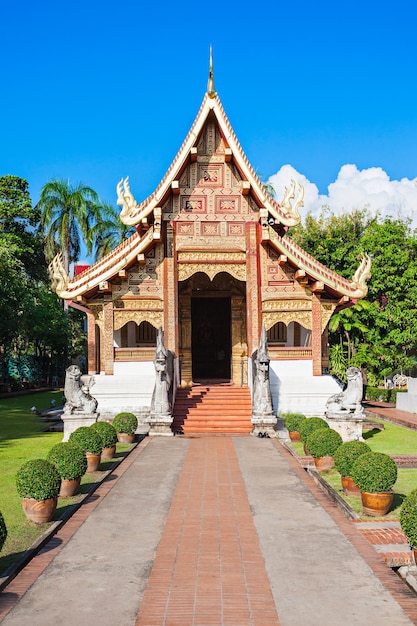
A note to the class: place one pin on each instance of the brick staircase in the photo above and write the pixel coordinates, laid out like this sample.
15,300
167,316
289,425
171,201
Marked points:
213,409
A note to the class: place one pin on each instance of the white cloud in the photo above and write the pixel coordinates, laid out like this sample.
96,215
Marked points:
354,189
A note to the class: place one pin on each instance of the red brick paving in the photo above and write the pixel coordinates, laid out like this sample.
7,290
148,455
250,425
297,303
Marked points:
388,540
209,568
211,519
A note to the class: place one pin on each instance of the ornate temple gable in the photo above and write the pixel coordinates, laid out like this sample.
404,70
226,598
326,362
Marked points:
202,147
143,278
313,273
98,275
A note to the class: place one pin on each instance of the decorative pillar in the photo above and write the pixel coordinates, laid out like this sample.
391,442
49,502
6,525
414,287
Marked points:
108,326
253,285
239,345
185,339
316,345
91,343
170,292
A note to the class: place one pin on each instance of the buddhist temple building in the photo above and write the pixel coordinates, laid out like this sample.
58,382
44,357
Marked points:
210,263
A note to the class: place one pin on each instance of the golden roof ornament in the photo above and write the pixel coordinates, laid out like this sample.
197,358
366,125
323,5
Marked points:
125,199
211,91
58,275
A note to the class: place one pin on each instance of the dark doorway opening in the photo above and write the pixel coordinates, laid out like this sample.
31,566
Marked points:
211,339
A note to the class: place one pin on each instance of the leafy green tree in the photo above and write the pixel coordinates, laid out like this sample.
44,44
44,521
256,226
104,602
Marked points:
381,330
34,331
334,240
392,318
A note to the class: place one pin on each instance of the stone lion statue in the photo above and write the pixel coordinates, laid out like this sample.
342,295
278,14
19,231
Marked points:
77,392
350,399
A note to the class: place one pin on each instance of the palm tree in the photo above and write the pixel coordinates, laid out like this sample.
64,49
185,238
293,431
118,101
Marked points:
68,215
346,323
109,232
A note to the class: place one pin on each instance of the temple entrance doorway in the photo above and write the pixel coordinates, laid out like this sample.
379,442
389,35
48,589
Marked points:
211,339
212,329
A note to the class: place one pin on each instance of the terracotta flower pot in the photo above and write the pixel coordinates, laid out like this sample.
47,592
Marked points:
108,453
39,511
125,438
350,488
324,463
69,487
294,435
93,462
376,504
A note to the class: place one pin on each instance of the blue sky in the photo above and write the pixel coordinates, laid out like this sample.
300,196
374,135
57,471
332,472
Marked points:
96,91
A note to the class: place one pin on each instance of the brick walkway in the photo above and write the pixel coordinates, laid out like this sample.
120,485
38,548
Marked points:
209,568
388,540
17,588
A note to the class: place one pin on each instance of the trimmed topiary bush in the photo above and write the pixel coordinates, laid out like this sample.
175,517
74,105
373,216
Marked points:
38,479
323,442
346,455
293,421
107,433
309,425
374,472
87,439
408,518
69,459
3,531
125,423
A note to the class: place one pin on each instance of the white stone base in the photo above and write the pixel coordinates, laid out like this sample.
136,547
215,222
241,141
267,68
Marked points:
160,425
349,427
294,389
75,420
264,424
128,389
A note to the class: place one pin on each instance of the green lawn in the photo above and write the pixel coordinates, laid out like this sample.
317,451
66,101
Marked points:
392,440
406,482
21,439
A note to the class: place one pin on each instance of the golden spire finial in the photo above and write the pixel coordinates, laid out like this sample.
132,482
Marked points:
211,91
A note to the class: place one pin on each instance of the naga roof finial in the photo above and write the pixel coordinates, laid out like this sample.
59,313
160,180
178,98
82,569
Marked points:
211,91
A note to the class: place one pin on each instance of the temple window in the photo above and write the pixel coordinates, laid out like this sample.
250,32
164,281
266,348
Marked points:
277,334
145,334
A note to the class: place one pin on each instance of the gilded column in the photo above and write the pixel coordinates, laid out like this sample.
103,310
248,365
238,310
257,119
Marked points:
239,346
170,294
253,286
185,339
108,349
91,343
316,345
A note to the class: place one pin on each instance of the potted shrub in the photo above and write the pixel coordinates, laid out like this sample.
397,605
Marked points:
108,436
322,444
308,425
292,424
408,521
89,441
375,474
38,483
344,457
125,424
3,531
71,463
